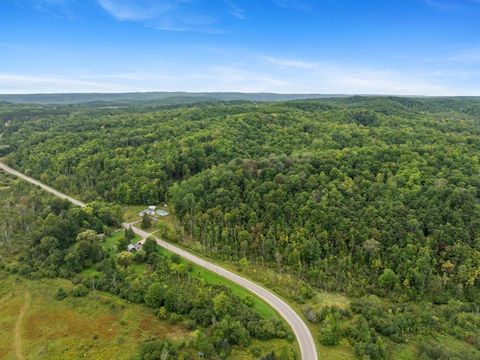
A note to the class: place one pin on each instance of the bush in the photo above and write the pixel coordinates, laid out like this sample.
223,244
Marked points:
388,279
436,351
175,258
249,300
162,313
61,294
79,291
156,349
330,333
154,296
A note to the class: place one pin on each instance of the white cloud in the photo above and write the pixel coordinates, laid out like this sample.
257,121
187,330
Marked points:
169,15
51,8
126,10
292,4
466,57
21,84
235,10
241,71
288,63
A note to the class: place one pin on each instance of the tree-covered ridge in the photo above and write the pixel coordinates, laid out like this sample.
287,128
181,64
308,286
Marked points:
133,157
340,229
343,192
360,195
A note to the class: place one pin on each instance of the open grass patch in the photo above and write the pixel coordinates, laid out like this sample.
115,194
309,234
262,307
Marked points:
110,243
97,326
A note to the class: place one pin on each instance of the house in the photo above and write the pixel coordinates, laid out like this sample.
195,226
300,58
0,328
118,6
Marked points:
134,247
147,211
151,210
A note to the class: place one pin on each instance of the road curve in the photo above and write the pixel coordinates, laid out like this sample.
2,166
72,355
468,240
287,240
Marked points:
300,329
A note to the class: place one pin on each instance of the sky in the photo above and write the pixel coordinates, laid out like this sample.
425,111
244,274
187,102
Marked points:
398,47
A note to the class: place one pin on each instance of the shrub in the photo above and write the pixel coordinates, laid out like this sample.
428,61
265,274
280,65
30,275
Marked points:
330,333
157,349
249,300
154,296
162,313
388,279
61,294
175,258
79,291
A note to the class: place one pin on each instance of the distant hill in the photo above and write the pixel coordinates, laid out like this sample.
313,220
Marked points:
164,98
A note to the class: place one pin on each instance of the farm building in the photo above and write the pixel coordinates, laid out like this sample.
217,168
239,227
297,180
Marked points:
152,212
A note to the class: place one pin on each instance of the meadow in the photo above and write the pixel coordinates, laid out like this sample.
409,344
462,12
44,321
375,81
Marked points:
97,326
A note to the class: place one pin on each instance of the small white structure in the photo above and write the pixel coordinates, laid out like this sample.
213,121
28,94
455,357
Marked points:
162,213
152,211
134,247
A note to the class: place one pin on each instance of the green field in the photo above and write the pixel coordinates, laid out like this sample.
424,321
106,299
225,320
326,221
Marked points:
98,326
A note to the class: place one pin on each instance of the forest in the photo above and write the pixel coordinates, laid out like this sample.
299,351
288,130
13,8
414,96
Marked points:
45,238
363,196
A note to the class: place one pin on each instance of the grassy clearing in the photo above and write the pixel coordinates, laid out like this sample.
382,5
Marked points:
110,243
130,213
97,326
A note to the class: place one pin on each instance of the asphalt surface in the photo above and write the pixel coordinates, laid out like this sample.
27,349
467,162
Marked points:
300,329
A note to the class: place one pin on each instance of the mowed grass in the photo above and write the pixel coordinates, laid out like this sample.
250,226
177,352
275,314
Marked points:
110,243
130,212
98,326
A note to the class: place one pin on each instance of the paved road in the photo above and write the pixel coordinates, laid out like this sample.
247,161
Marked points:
300,329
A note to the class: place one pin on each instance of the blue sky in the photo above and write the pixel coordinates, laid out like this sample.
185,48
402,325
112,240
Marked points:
416,47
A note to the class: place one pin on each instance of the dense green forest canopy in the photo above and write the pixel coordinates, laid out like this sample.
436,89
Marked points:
374,197
357,194
45,237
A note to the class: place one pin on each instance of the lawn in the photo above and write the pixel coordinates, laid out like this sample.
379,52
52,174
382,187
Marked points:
110,243
130,213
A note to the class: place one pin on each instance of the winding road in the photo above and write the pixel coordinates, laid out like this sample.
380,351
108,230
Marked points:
300,329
